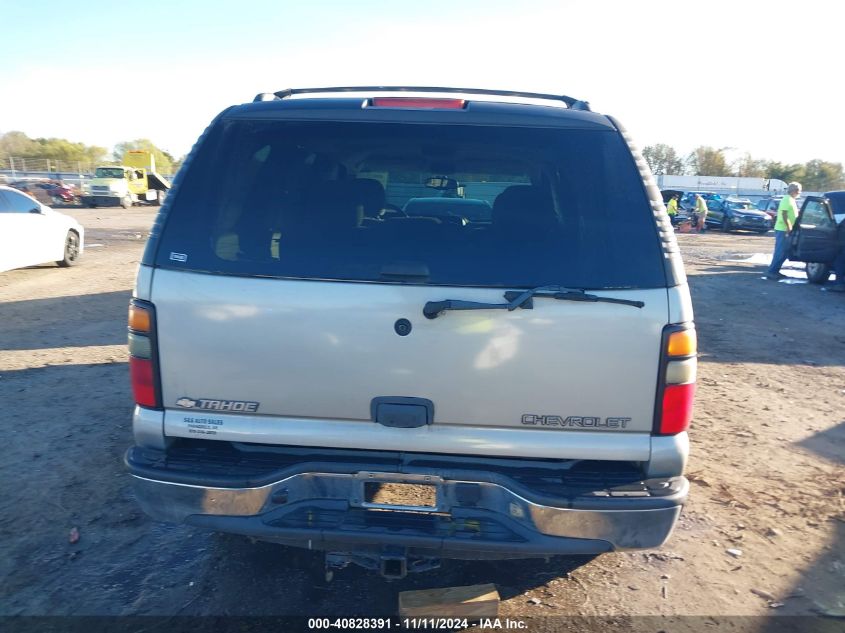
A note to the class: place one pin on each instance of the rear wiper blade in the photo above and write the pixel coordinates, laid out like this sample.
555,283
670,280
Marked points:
522,299
433,309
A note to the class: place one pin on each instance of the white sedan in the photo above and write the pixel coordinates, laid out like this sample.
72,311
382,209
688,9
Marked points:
32,233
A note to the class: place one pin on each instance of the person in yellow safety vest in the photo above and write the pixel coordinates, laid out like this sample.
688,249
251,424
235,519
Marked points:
787,212
700,210
672,209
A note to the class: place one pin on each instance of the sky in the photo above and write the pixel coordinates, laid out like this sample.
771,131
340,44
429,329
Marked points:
763,78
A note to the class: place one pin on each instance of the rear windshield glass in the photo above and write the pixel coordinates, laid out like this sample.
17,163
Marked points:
423,204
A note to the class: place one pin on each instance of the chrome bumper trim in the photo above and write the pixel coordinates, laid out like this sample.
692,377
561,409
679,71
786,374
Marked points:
624,528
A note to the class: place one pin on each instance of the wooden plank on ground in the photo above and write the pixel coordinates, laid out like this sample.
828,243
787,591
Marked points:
476,601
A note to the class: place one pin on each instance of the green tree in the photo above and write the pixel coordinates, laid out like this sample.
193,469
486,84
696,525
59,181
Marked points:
68,151
707,161
164,161
787,173
19,145
663,159
822,176
16,144
748,167
95,155
177,164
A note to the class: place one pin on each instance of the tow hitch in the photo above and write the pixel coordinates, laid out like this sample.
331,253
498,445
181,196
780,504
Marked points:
391,563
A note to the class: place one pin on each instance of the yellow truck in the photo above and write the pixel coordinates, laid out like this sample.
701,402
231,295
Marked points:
132,182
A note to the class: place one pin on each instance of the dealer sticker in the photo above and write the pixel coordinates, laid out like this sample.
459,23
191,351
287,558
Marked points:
203,426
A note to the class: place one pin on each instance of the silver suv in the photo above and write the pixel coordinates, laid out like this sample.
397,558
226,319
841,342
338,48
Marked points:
322,360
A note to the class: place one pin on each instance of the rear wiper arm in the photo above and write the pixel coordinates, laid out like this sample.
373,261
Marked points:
433,309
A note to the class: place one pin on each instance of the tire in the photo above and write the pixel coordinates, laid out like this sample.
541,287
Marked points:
56,200
817,273
160,195
726,224
126,202
71,257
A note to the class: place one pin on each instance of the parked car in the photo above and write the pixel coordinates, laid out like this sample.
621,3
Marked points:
819,234
47,192
33,233
682,215
62,193
769,206
667,194
461,210
393,389
731,214
687,201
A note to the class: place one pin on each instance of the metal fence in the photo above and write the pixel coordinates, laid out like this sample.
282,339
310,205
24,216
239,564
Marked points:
25,166
15,167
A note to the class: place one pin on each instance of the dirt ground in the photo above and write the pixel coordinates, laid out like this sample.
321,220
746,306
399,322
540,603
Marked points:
763,532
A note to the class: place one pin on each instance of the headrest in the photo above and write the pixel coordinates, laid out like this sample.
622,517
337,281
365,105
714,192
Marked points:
522,206
369,193
331,205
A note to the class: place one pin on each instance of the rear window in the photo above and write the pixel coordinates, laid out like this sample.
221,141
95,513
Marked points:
443,205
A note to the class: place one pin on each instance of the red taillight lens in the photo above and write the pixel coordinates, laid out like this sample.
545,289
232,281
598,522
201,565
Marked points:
676,389
143,368
419,102
676,413
142,375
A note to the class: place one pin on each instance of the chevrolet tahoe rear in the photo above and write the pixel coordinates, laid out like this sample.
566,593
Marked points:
505,371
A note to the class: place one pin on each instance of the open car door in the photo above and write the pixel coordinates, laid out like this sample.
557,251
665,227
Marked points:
814,236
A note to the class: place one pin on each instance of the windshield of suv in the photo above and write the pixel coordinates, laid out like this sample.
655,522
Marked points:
349,201
108,172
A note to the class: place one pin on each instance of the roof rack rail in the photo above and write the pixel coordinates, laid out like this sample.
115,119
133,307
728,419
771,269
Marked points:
574,104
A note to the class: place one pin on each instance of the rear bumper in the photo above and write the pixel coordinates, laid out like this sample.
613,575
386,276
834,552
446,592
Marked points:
495,510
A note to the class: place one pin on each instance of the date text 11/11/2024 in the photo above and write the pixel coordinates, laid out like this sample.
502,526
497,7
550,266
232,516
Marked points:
415,624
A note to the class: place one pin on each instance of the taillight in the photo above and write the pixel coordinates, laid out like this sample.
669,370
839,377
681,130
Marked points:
418,103
142,375
143,364
676,390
